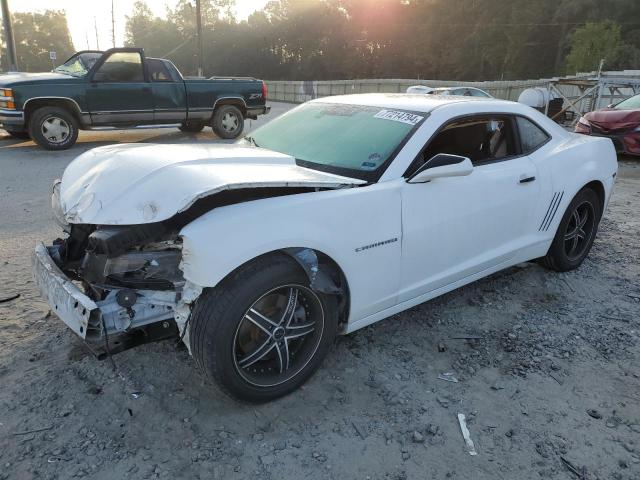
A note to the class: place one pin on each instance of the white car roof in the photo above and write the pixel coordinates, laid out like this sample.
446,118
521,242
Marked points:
408,101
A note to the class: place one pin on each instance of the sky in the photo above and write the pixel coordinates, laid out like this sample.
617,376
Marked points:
81,14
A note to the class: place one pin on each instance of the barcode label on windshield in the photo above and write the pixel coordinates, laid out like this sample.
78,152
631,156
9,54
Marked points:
397,116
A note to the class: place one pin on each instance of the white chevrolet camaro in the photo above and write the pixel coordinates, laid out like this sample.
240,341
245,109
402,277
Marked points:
341,212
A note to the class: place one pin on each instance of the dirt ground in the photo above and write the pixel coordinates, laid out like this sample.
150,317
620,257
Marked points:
552,372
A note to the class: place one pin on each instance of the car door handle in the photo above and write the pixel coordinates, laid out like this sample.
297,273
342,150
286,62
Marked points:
525,179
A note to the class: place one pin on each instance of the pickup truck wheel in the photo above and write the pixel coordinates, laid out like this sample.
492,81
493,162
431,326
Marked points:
53,128
192,127
22,135
228,122
262,332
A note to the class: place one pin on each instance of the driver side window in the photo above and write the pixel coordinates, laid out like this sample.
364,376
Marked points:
121,67
483,139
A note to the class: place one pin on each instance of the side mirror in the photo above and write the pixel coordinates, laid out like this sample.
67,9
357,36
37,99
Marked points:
610,105
442,165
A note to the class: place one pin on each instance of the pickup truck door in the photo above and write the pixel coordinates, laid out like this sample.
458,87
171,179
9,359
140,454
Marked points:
169,95
119,91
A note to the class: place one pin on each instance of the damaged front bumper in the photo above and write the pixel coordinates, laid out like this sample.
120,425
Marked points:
72,306
123,318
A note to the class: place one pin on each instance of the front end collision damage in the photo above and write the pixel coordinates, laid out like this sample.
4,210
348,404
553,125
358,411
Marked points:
113,302
129,281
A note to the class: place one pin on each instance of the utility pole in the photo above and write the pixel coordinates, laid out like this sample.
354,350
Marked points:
199,35
95,26
8,36
113,26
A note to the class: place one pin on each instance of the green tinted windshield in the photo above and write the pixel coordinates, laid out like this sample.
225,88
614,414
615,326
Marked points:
631,103
351,140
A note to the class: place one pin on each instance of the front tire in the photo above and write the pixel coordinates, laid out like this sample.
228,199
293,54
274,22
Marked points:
576,233
228,122
53,128
262,332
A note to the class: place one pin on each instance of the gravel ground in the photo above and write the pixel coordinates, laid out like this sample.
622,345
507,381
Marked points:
551,372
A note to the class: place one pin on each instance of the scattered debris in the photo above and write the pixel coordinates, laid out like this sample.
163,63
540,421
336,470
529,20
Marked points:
8,299
465,434
442,347
580,473
594,413
359,430
560,382
36,430
448,377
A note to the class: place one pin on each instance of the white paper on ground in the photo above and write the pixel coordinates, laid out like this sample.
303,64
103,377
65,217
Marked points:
466,435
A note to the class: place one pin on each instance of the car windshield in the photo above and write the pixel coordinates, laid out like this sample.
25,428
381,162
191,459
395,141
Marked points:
79,64
351,140
631,103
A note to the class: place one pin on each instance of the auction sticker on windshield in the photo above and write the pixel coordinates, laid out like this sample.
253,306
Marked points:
397,116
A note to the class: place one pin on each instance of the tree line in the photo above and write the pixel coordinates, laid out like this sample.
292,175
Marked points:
347,39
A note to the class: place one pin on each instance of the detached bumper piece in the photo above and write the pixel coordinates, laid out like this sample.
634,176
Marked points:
127,317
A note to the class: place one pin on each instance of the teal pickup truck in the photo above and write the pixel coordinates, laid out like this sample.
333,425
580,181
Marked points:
121,88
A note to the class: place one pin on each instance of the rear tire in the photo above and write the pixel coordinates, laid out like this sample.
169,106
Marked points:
576,233
192,127
242,331
228,122
53,128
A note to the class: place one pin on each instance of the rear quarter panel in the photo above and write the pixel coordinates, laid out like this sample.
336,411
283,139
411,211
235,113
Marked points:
203,94
573,162
334,222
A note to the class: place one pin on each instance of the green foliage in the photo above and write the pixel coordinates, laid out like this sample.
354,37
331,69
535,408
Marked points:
593,42
342,39
36,34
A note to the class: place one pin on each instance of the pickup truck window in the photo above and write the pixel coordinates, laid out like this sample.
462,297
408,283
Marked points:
79,64
173,70
158,70
121,67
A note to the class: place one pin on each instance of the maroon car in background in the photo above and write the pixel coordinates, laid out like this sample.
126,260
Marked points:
619,122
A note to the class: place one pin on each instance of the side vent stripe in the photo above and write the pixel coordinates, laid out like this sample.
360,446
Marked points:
555,209
544,220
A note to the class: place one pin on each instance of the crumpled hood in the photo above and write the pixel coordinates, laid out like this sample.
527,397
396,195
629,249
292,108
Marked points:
612,119
133,184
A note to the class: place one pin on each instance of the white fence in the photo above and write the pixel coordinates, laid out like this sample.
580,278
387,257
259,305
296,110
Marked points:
302,91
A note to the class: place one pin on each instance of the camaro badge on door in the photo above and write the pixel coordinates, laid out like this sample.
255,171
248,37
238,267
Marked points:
377,244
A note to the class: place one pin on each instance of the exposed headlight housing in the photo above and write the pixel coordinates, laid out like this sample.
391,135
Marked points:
146,269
